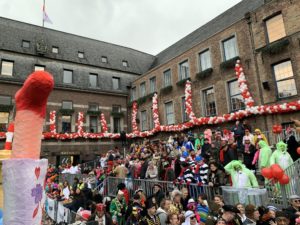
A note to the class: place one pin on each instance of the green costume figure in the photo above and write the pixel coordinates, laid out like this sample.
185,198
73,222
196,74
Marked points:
118,208
280,156
264,155
241,176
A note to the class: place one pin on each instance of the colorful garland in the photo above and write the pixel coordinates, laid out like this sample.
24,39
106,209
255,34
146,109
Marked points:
250,110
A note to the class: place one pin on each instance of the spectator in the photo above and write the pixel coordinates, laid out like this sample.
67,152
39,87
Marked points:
248,152
176,205
158,194
206,150
230,152
162,211
201,170
185,198
66,191
252,215
151,218
238,131
216,177
265,153
229,215
121,171
249,136
151,172
293,211
190,218
218,199
282,218
292,148
136,202
202,207
78,201
241,214
135,216
100,215
118,208
259,135
173,219
247,126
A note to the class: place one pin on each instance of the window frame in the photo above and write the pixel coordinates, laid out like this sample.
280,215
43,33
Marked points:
133,98
104,59
72,72
179,69
80,55
143,84
55,47
184,115
13,67
119,125
166,115
116,106
41,66
10,99
229,96
223,47
95,104
203,101
119,83
97,124
199,59
164,73
150,81
63,122
145,121
97,80
289,78
70,101
25,42
125,63
266,27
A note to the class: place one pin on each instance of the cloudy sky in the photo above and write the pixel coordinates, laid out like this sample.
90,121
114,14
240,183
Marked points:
145,25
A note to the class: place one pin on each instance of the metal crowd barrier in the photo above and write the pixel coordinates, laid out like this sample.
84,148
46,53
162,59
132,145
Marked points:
278,195
84,177
56,211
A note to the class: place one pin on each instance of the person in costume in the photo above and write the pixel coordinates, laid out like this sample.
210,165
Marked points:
241,176
151,218
259,135
200,170
248,152
280,156
118,208
100,215
265,153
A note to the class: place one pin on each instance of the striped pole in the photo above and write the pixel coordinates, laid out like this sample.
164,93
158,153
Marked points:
9,136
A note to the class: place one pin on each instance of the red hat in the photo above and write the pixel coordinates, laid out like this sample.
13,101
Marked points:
85,214
100,207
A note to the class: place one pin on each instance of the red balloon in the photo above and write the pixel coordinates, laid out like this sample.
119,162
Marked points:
267,173
277,172
298,150
284,179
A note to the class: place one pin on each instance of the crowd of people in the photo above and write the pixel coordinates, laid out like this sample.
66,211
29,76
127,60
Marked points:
215,158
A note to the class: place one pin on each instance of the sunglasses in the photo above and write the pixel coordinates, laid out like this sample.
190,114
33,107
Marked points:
297,200
193,217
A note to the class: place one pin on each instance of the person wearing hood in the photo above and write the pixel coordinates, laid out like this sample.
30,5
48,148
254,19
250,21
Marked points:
158,193
240,175
248,152
190,218
265,153
280,156
259,135
206,150
162,211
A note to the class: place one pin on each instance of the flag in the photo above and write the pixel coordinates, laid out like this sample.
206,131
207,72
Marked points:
45,16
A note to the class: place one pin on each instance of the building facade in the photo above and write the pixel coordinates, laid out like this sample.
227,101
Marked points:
264,35
93,76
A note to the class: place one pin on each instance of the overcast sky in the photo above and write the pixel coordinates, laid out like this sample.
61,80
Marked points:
146,25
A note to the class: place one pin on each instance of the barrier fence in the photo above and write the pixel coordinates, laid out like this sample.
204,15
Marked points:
231,195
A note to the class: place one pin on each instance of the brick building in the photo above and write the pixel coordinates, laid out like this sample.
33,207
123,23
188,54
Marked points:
92,76
264,35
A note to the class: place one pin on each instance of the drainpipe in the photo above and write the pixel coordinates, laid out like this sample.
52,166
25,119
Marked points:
260,91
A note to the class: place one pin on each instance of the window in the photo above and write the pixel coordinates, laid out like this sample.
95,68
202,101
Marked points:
205,60
151,121
167,78
144,120
81,55
93,107
5,100
152,84
117,125
55,50
68,77
209,102
93,79
230,48
39,68
133,94
275,28
184,114
236,99
66,124
116,108
116,83
7,68
285,81
169,113
184,70
93,124
67,105
125,63
4,118
104,59
25,44
143,89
